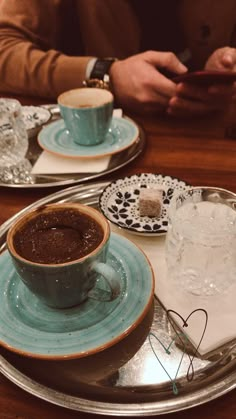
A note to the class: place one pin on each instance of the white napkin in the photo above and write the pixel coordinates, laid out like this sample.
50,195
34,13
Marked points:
49,163
221,309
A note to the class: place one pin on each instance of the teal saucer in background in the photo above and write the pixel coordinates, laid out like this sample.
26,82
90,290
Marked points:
30,328
56,139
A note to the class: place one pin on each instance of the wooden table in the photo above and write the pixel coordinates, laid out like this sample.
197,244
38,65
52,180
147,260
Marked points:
196,151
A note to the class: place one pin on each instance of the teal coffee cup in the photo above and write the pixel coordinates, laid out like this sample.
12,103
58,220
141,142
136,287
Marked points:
87,113
60,253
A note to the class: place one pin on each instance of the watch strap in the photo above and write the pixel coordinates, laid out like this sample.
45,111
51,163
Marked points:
101,68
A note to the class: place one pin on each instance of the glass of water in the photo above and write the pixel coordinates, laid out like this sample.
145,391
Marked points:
14,167
201,241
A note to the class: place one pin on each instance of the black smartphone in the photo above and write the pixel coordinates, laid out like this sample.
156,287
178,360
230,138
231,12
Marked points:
206,78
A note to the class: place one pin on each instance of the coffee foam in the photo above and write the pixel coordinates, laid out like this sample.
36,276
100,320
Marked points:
85,98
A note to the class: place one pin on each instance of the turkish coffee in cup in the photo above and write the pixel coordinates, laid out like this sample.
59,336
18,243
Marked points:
59,251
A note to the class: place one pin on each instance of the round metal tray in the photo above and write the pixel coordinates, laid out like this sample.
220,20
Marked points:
116,162
127,379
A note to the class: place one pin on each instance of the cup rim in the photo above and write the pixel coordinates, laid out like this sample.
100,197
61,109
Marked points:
231,196
202,188
109,100
85,209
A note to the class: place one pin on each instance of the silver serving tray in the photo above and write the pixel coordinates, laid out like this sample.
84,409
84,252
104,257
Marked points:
116,162
126,379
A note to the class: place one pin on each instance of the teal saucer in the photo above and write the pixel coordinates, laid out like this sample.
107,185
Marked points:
56,139
30,328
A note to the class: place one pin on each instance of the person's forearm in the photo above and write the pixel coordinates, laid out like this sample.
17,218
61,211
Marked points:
30,71
29,61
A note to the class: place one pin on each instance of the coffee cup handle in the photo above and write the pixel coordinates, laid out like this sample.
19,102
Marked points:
112,279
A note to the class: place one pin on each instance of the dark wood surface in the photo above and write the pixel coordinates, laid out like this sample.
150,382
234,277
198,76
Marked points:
200,151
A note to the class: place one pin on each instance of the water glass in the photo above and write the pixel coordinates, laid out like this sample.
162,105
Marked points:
201,241
14,167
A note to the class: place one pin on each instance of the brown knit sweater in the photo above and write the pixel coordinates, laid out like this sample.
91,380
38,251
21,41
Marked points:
45,45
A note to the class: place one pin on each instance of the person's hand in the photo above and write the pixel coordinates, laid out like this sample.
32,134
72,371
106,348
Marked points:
222,59
138,85
196,100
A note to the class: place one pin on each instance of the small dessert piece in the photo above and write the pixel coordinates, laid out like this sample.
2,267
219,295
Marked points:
150,202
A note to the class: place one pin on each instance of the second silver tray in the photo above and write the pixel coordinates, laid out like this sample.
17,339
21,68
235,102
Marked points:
127,379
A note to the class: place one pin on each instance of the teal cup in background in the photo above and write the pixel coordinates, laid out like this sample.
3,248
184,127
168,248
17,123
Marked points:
69,283
87,113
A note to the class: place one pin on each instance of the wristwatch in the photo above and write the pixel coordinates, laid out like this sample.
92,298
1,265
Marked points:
99,76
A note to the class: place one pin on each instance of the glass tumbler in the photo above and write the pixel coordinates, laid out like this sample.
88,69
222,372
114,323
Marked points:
14,167
201,241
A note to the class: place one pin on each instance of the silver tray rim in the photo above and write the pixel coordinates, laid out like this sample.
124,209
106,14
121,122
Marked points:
80,404
207,393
